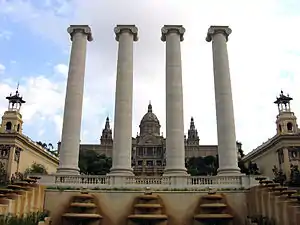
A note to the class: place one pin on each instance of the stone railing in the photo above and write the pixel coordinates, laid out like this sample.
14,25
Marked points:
189,182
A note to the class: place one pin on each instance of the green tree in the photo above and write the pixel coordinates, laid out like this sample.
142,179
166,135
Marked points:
202,166
36,168
279,176
48,147
251,169
295,176
91,163
3,174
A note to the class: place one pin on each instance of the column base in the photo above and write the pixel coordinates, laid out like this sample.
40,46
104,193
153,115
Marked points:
68,171
121,172
175,172
229,171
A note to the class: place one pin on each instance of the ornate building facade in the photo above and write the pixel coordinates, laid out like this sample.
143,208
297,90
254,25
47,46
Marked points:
149,146
17,151
283,149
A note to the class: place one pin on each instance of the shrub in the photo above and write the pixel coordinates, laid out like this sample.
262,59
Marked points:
29,219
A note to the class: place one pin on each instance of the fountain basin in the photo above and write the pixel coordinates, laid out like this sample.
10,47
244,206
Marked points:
82,216
147,217
148,197
11,195
17,187
213,197
272,185
83,196
213,217
288,192
279,188
83,205
4,191
32,179
24,183
213,205
260,178
141,205
266,182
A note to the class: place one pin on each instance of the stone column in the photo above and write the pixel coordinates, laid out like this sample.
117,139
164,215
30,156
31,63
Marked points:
122,143
175,152
286,163
70,139
227,149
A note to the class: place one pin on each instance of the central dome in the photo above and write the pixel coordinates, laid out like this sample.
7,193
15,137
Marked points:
149,123
149,116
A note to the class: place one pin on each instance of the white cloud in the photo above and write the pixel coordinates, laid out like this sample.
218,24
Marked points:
259,54
2,68
61,69
43,96
5,34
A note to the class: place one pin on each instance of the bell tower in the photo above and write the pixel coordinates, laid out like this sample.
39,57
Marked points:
12,119
286,121
106,137
193,138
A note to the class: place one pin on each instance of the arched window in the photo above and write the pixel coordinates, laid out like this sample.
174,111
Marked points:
8,126
289,126
18,128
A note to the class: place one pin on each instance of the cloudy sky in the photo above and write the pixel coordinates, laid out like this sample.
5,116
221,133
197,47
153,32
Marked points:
263,51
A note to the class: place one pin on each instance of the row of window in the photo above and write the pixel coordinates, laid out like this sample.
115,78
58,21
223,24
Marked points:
150,151
150,163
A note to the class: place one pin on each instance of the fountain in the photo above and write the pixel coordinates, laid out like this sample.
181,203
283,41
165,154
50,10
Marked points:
213,210
148,210
82,210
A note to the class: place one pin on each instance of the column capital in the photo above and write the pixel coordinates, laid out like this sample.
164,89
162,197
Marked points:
225,30
132,29
167,29
85,29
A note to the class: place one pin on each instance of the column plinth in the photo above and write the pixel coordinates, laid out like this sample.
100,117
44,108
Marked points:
70,139
175,152
227,150
122,145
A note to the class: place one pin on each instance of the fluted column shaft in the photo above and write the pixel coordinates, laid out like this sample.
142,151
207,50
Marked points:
122,145
227,149
70,139
175,154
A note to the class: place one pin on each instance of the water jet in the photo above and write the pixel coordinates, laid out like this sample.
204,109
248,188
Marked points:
213,210
82,210
148,210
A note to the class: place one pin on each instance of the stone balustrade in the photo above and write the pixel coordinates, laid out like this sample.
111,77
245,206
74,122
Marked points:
162,182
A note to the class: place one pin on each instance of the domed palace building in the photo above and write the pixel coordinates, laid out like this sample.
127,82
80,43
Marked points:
149,146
